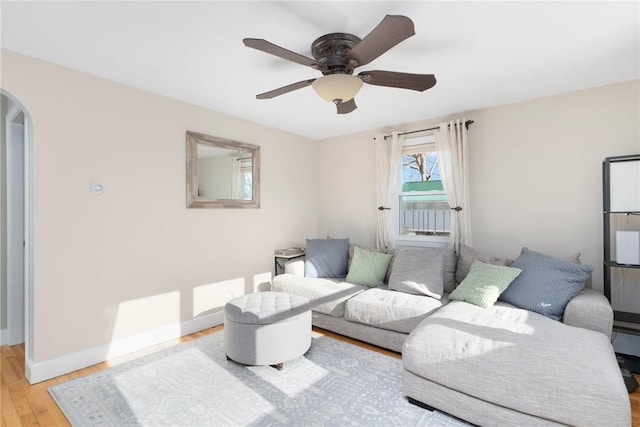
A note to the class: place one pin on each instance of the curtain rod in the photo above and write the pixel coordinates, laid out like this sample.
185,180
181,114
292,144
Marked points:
466,124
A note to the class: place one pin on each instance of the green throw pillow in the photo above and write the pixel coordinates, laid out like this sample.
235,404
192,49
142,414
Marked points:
368,268
484,283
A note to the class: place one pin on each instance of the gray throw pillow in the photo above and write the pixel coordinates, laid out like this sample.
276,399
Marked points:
546,284
391,252
418,271
450,264
466,257
326,258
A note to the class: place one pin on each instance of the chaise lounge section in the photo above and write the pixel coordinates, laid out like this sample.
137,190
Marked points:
509,366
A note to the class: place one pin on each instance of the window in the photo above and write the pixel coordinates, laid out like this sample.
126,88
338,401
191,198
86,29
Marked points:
244,175
423,207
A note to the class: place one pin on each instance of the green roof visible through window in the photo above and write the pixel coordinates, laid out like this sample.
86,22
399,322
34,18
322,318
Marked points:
435,185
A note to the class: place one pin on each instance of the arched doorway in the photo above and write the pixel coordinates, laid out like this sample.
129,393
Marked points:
17,225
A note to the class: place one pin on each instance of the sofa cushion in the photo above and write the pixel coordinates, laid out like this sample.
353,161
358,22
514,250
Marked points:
484,283
326,296
326,258
466,257
418,271
392,310
518,359
368,268
546,283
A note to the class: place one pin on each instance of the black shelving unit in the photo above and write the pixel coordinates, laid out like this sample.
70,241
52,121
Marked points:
607,215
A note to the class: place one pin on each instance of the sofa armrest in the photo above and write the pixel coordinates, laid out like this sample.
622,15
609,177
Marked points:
295,267
590,310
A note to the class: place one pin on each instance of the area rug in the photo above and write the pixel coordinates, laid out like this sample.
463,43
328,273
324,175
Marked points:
192,384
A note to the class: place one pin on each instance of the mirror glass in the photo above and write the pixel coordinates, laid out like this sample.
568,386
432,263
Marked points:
222,173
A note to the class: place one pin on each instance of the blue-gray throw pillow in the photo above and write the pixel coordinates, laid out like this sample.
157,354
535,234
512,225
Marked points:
546,284
326,258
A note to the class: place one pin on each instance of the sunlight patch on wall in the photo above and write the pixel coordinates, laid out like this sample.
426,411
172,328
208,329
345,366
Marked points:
144,314
262,282
212,297
136,318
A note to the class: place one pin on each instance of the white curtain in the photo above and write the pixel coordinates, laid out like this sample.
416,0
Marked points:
453,155
388,169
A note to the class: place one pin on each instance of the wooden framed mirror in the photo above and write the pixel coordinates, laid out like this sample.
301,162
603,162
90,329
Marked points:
222,173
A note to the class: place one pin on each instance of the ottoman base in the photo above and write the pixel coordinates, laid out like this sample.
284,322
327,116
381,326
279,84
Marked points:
266,336
267,344
279,366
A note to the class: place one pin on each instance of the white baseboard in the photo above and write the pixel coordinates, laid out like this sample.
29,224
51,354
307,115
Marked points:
4,336
42,371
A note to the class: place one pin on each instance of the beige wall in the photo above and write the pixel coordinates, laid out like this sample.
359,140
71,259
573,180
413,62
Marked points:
347,188
135,258
535,173
537,170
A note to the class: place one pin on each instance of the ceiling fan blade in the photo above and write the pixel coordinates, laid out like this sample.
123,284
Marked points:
419,82
347,107
390,31
268,47
285,89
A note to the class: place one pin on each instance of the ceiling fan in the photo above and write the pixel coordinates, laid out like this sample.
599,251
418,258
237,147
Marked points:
336,55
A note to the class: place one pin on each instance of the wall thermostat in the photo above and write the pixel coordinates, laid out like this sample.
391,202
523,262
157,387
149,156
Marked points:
97,188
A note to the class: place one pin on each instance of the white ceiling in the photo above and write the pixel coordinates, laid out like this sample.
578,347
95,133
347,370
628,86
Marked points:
482,53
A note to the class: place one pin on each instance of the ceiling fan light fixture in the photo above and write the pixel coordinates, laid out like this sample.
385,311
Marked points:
337,88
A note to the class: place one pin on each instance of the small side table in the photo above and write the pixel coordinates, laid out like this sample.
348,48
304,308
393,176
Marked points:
281,256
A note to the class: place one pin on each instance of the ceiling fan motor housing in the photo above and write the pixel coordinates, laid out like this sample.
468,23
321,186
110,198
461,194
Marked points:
330,51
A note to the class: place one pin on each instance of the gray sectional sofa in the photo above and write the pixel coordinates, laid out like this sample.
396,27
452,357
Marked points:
501,365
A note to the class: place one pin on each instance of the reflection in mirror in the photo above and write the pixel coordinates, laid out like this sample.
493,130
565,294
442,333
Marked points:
224,173
221,173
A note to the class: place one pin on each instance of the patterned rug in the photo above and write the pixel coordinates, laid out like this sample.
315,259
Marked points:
192,384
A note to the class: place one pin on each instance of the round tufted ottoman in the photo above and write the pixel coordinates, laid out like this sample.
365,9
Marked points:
267,328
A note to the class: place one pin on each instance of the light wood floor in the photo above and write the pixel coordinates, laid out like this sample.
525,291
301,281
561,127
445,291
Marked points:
26,405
